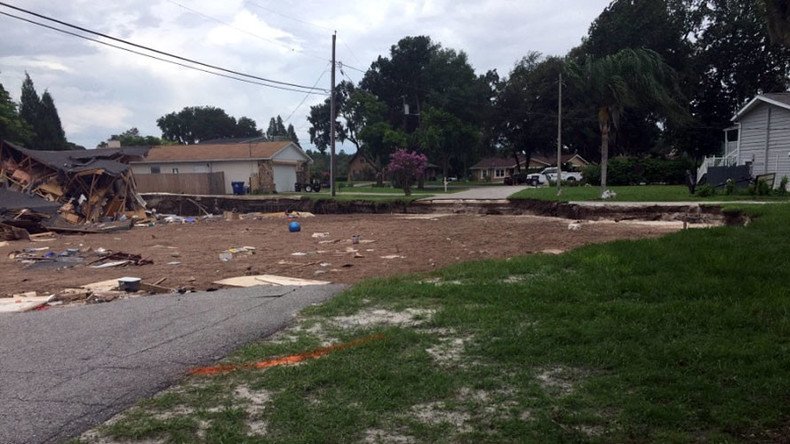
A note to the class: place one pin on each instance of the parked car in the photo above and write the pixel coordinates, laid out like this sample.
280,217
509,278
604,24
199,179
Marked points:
517,179
550,175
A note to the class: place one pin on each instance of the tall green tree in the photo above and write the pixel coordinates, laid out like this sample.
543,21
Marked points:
49,131
319,118
777,14
628,79
195,123
292,134
42,115
446,138
526,106
12,126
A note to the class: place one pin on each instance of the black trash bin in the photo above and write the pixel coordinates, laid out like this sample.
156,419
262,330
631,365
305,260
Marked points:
297,187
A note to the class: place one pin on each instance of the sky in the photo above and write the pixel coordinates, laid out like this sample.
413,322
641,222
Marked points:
100,91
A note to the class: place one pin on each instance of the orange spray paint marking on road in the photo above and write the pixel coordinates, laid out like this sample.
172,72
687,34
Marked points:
285,360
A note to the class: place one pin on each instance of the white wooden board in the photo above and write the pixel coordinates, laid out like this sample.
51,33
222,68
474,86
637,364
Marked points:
268,279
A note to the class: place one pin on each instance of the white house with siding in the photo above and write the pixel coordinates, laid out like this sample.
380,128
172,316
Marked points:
759,137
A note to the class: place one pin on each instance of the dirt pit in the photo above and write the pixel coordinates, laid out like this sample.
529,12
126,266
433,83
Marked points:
188,255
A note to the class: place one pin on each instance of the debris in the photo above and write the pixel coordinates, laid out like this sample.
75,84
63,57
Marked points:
118,257
298,253
174,263
110,264
57,190
267,279
575,226
319,235
3,244
393,256
358,256
355,239
72,295
155,288
226,256
231,215
285,360
23,302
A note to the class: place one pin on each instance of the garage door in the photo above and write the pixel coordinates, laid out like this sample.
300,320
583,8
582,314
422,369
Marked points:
284,178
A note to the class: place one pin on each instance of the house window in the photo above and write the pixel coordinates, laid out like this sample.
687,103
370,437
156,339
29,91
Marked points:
175,170
155,170
499,173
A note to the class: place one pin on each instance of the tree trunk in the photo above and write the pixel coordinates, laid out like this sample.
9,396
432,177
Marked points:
518,163
604,154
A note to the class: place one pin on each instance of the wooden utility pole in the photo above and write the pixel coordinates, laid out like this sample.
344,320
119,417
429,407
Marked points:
559,139
332,118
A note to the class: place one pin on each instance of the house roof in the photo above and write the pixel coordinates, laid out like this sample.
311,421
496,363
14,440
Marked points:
15,200
111,160
781,100
218,152
509,162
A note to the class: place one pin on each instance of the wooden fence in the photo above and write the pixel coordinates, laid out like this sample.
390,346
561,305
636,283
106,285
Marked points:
182,183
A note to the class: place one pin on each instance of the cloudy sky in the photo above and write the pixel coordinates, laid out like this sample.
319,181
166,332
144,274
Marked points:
101,91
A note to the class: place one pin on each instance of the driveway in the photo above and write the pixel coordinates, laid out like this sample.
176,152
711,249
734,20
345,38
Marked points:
492,192
65,370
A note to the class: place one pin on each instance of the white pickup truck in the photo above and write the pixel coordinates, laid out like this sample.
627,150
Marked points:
550,174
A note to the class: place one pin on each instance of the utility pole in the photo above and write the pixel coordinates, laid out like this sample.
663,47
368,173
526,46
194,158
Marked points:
559,138
332,118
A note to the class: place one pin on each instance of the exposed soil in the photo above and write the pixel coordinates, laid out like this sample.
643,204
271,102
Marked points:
410,243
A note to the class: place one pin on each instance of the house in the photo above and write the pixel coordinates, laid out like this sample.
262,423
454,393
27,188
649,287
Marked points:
758,141
498,168
359,168
262,166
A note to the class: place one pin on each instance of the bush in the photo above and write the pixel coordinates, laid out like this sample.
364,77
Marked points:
729,187
782,190
706,190
635,171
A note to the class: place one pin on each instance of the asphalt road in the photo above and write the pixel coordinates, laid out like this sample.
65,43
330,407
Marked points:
65,370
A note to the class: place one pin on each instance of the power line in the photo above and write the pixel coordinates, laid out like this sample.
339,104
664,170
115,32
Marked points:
295,85
173,62
276,42
288,119
258,5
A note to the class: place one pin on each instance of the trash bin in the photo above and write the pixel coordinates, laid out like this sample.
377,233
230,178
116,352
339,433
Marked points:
238,187
297,187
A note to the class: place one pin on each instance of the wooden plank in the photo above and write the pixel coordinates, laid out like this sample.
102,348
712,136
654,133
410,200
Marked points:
268,279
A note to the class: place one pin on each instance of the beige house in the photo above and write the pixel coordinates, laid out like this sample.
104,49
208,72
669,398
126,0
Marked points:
262,166
497,169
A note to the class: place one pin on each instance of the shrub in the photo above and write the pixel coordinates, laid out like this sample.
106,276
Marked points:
706,190
634,171
729,187
782,190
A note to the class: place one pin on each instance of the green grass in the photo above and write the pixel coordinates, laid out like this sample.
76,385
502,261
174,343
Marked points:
646,193
685,338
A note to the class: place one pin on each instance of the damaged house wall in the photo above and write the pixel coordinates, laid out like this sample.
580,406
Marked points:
66,188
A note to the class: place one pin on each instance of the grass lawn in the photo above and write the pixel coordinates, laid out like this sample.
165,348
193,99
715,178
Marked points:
678,339
646,193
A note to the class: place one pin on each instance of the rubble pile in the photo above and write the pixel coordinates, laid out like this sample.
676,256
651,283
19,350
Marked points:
63,190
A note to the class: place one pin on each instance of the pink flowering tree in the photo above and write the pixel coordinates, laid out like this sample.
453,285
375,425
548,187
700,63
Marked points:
406,167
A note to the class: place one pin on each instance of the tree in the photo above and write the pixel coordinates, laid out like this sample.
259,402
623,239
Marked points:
628,79
42,115
445,137
292,134
526,105
247,127
777,14
195,123
12,126
49,131
320,115
132,137
406,167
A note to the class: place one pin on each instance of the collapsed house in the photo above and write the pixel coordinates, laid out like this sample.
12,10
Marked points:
56,190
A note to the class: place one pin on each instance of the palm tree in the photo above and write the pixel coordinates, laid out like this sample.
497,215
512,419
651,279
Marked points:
777,14
630,78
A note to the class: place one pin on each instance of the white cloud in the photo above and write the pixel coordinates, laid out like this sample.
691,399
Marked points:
101,91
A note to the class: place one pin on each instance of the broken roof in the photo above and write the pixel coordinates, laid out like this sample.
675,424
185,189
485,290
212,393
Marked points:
14,200
109,159
218,152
